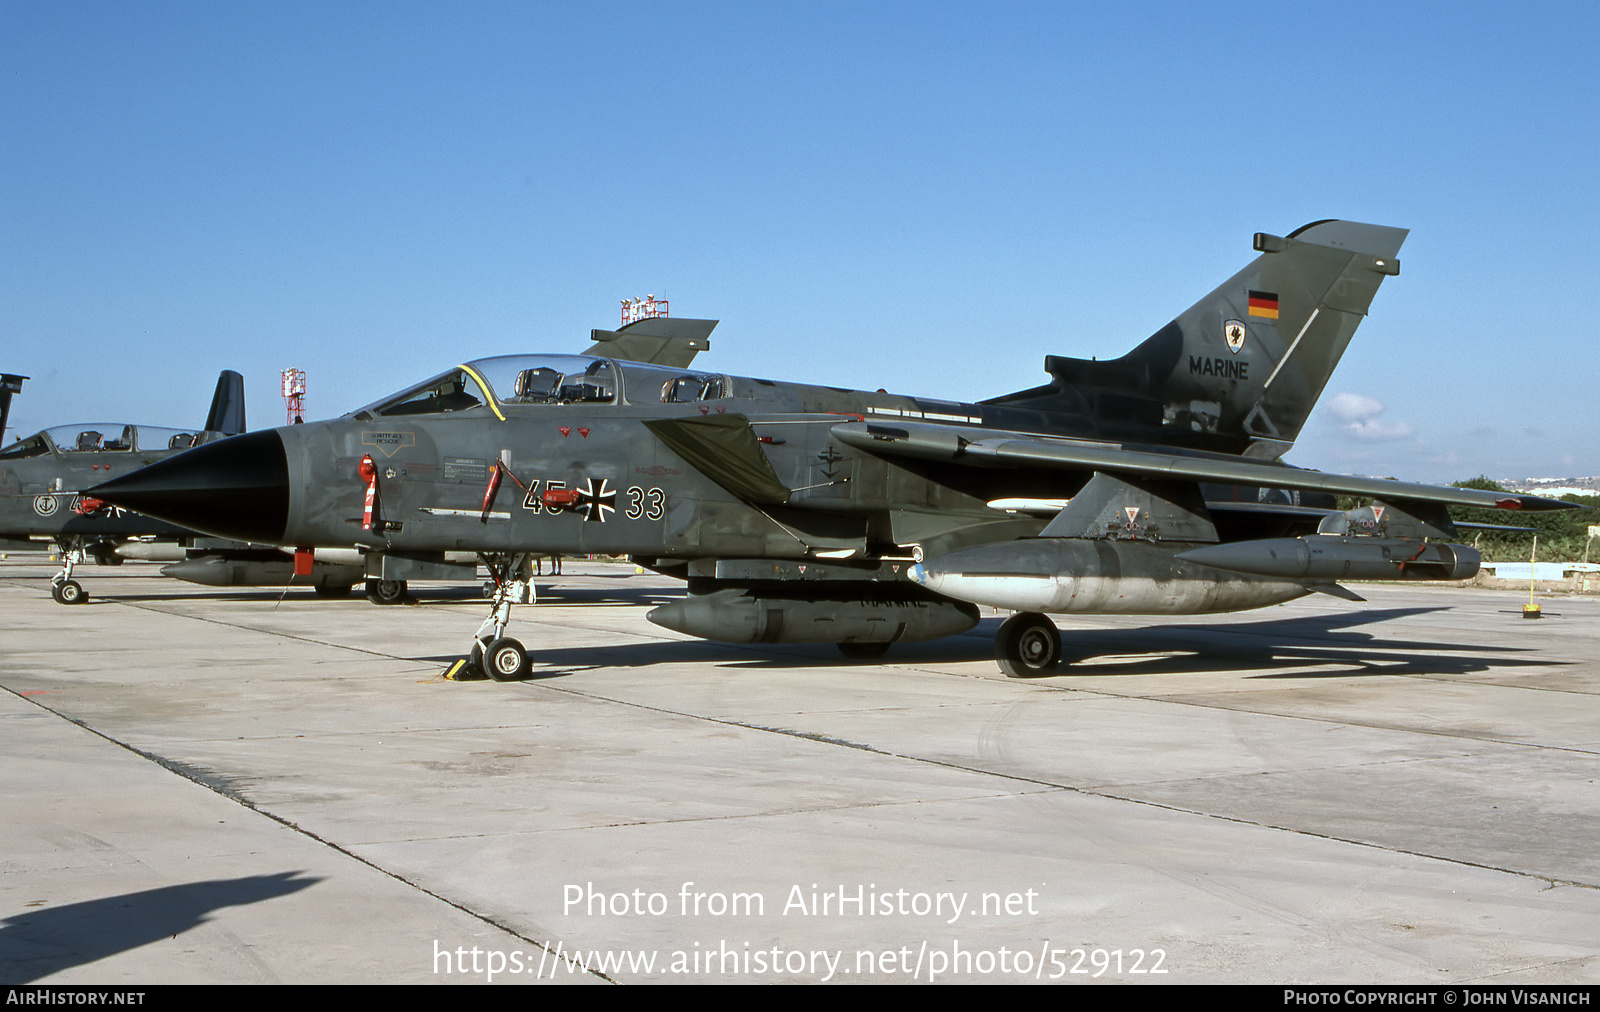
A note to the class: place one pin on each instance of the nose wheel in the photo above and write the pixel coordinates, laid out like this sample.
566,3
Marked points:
69,592
506,660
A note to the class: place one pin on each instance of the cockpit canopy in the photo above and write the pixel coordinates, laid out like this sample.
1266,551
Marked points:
101,437
508,379
515,380
654,384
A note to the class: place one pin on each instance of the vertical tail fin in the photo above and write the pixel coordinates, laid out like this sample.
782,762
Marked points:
1240,370
227,405
655,340
1259,350
9,384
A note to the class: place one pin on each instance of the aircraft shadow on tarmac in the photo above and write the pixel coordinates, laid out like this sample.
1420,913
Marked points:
1275,648
41,942
1284,648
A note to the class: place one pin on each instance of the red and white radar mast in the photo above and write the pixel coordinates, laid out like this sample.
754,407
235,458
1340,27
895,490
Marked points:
294,394
642,309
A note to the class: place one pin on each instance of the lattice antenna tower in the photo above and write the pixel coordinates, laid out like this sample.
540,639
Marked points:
642,309
294,395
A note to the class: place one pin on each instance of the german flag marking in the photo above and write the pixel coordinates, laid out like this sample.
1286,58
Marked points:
1264,304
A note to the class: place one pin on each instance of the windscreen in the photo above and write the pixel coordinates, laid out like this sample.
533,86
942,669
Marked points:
451,391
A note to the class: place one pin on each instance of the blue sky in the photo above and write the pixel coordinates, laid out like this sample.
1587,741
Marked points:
924,197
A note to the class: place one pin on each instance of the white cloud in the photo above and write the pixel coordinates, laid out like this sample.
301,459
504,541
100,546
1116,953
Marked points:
1348,407
1359,413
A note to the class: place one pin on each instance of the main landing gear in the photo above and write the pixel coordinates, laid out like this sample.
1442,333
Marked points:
1029,645
386,591
493,652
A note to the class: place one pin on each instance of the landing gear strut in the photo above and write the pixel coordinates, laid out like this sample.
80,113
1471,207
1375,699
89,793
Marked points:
63,587
1028,645
493,652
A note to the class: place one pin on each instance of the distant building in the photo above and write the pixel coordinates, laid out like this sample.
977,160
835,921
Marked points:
1555,488
1526,571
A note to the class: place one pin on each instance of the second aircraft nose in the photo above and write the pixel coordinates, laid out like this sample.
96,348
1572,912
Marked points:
234,488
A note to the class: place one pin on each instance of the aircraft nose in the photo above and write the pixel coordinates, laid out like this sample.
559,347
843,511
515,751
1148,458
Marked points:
234,488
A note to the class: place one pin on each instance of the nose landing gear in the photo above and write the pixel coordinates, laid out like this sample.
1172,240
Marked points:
493,652
63,587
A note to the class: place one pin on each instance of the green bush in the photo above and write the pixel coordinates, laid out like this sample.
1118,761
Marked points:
1563,534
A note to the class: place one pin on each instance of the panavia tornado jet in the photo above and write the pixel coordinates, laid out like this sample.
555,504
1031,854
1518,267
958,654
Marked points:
40,479
1148,484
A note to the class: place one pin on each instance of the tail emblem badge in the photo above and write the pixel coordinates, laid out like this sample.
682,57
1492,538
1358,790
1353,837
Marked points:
1233,330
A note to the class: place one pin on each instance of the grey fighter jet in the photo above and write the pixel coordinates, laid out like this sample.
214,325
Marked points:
40,477
1147,484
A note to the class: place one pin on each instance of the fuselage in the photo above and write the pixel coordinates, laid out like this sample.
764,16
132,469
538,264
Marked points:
40,477
654,463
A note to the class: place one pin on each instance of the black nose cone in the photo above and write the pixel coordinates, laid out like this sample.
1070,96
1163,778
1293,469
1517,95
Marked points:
234,488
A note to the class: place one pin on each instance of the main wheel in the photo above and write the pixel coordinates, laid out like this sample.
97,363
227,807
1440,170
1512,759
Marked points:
69,592
863,651
505,660
333,589
386,591
488,590
1028,645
